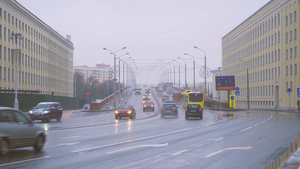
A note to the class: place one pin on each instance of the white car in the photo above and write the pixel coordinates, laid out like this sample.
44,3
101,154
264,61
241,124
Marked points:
86,106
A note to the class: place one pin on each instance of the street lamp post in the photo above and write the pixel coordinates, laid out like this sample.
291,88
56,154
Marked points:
248,94
194,88
16,36
120,76
115,79
178,72
184,71
204,66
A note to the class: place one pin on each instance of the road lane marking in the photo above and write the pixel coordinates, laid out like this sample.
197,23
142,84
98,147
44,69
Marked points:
247,129
179,152
64,144
218,139
17,162
71,137
229,148
128,141
139,146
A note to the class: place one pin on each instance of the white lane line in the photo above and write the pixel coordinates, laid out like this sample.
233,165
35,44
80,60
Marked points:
63,144
247,129
128,141
229,148
179,152
218,139
71,137
23,161
139,146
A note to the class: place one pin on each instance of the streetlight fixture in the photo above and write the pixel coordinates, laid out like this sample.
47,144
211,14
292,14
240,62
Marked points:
16,36
120,75
124,60
248,94
184,71
115,79
204,67
194,88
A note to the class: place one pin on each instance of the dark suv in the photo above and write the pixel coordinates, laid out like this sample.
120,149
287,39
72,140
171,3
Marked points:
169,109
193,110
46,111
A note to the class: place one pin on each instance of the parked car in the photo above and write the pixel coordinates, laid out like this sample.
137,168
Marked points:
148,105
46,111
125,110
169,109
193,110
86,106
18,130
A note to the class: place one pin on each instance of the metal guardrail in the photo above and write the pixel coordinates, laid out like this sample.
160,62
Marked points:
279,162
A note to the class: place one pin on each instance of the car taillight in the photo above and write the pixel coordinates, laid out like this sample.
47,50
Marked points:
174,108
186,109
162,108
200,110
151,105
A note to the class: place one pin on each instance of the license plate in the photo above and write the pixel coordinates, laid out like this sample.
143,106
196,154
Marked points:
193,110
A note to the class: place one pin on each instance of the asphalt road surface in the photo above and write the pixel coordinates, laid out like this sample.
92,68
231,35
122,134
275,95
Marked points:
251,140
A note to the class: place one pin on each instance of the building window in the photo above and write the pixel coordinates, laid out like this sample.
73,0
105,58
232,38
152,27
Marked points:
278,19
291,69
0,72
286,54
286,20
296,69
286,70
295,34
291,35
291,52
4,32
291,18
295,51
279,71
286,37
0,51
4,73
278,54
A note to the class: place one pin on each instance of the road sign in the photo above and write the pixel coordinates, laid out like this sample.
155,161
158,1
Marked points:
87,93
205,91
232,101
237,88
298,92
237,93
289,90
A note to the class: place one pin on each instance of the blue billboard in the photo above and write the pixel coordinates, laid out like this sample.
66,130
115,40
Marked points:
225,83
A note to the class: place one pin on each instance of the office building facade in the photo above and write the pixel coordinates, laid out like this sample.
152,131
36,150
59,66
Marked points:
101,72
263,55
45,60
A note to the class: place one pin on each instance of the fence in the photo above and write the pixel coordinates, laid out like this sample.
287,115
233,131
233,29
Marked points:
27,101
278,163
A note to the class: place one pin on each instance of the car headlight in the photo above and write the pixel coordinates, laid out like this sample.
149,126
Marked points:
145,106
129,112
116,112
44,112
30,112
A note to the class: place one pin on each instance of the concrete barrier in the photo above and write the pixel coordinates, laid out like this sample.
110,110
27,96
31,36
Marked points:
279,162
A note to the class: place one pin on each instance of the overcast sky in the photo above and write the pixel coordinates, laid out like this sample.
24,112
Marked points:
150,29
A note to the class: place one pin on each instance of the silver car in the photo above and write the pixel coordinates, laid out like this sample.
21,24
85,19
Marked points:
18,130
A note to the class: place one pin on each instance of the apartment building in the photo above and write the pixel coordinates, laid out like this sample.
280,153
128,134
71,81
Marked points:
262,53
101,72
45,58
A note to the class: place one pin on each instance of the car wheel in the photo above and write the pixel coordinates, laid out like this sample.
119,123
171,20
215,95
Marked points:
131,117
116,117
3,147
48,119
58,119
39,143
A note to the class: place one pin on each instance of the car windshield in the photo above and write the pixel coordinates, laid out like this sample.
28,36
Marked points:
193,106
41,106
151,83
124,107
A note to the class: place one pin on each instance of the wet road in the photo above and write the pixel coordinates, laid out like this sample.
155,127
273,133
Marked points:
251,140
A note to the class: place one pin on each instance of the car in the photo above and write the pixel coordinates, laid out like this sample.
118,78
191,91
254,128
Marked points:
147,91
165,97
169,109
46,111
168,101
148,105
125,110
137,92
160,92
86,106
18,130
193,110
146,98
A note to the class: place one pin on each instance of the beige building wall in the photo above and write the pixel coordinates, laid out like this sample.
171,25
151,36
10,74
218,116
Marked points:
265,44
99,73
46,60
